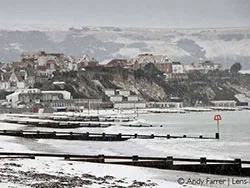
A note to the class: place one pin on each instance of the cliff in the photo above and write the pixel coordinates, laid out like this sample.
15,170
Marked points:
151,85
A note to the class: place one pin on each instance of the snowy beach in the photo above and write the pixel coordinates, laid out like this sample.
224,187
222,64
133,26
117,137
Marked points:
234,143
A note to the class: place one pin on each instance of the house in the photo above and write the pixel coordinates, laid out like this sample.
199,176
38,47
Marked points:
178,71
123,92
28,97
130,105
177,68
164,104
243,99
224,103
87,61
116,98
17,78
109,92
70,64
43,62
163,63
76,104
133,98
203,67
210,66
12,80
120,95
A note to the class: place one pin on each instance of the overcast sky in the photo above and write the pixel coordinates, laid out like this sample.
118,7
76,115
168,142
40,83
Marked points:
128,13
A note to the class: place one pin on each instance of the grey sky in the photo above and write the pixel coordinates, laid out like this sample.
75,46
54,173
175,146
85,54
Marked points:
132,13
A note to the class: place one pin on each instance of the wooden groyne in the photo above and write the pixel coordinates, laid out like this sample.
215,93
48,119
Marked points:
59,124
81,118
201,165
74,124
90,136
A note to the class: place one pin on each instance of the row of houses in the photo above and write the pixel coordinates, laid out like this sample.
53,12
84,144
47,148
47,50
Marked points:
171,69
121,95
62,101
40,66
28,97
46,63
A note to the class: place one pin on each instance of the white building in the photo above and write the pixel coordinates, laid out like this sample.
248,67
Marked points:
132,98
66,94
12,80
116,98
164,104
243,99
129,105
87,61
224,103
162,62
177,68
69,64
120,95
28,96
202,67
109,92
122,92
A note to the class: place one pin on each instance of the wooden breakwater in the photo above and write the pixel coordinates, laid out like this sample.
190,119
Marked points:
90,136
81,118
58,124
201,165
74,124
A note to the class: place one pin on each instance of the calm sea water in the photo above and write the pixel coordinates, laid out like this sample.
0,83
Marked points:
234,139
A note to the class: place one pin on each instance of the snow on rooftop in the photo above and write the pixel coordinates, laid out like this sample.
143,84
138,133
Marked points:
150,58
242,98
244,71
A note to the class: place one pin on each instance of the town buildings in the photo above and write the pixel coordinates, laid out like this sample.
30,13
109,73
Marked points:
40,67
242,99
224,103
87,61
124,99
203,67
29,97
123,63
172,70
16,78
163,63
164,104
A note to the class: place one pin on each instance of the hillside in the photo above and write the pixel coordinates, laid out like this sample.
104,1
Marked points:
150,84
222,45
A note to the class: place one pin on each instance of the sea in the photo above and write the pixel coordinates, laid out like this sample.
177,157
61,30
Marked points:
234,142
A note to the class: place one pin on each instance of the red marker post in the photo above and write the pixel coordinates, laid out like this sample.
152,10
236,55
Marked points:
218,118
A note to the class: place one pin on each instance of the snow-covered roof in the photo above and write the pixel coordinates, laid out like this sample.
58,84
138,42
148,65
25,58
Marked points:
244,71
242,98
223,101
86,58
66,94
150,58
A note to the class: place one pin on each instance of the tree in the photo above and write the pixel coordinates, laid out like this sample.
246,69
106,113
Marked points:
235,68
151,70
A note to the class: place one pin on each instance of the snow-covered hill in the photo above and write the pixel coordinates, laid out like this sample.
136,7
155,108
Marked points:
223,45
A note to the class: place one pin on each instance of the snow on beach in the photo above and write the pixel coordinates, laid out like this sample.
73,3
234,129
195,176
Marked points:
47,173
58,173
44,172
